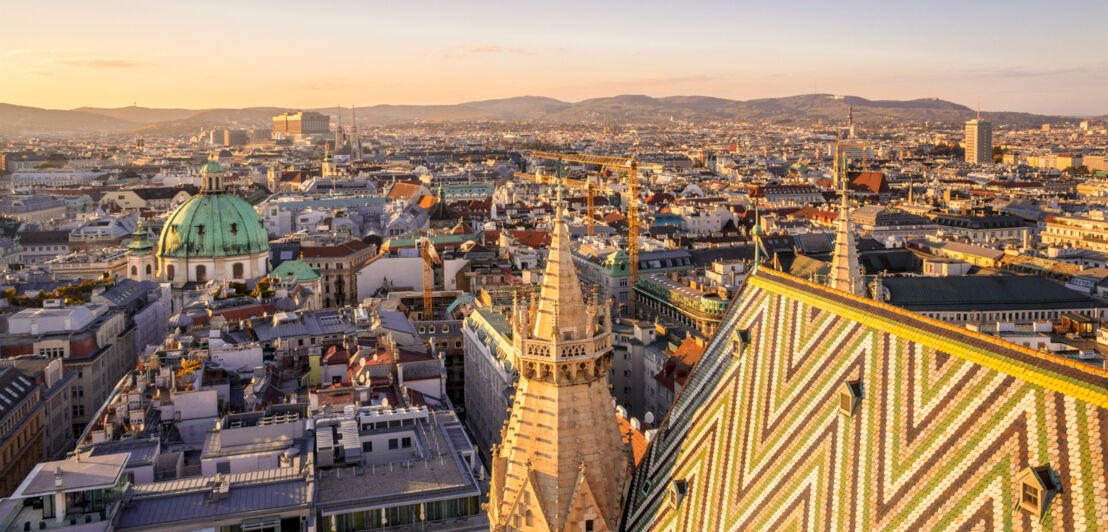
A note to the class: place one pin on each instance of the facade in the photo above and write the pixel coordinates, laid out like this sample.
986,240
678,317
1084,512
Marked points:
57,384
490,374
688,300
979,142
544,474
21,427
338,265
810,395
1076,232
983,228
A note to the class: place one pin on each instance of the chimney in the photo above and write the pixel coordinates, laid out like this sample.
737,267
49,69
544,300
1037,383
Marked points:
57,476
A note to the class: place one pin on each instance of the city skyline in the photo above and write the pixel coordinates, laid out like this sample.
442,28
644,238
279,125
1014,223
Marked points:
368,54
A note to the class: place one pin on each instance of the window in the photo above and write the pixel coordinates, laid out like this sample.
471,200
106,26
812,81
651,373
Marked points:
134,271
588,525
223,467
367,447
1030,495
201,273
406,442
237,269
170,272
529,519
393,444
78,410
149,269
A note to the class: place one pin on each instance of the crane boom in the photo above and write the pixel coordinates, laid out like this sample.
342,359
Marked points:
632,168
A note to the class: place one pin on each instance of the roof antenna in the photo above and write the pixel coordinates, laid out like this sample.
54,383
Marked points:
978,111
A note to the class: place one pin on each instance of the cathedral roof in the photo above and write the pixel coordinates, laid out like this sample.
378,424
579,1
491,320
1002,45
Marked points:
907,417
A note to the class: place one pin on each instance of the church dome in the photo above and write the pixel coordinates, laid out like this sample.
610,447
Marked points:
211,167
213,225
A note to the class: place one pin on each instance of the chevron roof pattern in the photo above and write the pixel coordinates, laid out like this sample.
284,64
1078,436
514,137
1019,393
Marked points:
947,421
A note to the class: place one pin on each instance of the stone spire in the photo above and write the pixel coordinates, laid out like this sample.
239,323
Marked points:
562,460
846,273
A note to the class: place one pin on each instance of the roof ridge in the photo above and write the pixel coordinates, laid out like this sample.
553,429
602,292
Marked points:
1020,370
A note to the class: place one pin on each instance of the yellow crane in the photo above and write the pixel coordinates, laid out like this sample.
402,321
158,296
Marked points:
632,168
430,258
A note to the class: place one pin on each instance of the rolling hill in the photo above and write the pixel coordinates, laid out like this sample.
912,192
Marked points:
627,108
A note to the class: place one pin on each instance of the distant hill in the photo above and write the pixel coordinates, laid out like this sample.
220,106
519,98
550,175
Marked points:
140,115
20,119
626,108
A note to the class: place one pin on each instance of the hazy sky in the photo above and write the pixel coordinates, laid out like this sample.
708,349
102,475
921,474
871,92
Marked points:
1016,55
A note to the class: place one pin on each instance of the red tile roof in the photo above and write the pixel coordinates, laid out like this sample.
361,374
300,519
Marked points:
341,250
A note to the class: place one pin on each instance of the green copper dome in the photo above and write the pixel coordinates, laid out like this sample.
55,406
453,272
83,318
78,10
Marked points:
213,225
210,167
140,242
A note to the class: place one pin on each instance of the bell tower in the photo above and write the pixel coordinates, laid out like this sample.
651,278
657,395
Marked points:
140,256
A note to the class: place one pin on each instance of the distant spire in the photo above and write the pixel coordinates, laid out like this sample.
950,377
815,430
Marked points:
846,273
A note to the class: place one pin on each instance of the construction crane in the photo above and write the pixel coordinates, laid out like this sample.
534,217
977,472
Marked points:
430,258
632,168
586,186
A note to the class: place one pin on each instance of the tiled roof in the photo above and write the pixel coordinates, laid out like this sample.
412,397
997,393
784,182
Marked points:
946,420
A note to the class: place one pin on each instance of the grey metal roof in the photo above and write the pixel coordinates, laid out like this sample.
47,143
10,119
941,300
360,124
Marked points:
979,292
142,451
149,511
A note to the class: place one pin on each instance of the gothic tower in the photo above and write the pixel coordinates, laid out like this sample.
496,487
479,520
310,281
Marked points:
846,272
562,463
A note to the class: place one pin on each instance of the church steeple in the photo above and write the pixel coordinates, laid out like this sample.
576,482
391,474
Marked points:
846,273
562,461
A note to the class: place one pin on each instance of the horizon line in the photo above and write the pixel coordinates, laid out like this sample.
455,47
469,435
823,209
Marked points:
828,94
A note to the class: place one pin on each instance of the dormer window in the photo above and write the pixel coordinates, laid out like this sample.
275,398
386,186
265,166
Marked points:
850,397
200,229
738,341
677,491
1037,487
234,228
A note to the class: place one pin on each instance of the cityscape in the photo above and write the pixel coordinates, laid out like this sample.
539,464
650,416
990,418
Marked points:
477,293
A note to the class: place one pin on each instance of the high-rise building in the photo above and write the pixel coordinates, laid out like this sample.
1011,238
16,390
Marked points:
562,463
302,123
979,141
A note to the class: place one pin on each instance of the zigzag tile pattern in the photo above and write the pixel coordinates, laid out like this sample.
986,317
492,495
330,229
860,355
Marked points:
947,421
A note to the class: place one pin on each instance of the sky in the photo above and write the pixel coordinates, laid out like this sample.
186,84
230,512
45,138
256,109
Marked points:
1004,56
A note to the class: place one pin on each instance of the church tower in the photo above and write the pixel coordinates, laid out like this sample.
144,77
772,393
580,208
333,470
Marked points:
562,463
140,256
